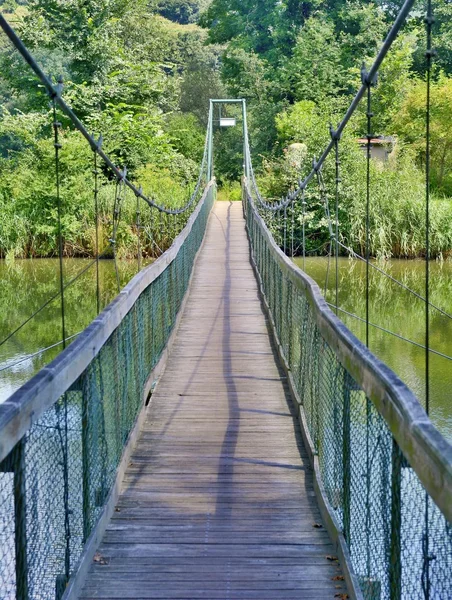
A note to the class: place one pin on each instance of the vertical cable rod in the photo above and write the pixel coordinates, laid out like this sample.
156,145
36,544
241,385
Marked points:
324,201
63,439
303,206
151,231
338,180
138,226
57,146
285,230
96,216
120,192
369,116
429,53
429,20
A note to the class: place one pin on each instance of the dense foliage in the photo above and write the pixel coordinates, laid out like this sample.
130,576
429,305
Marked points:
131,75
141,72
298,64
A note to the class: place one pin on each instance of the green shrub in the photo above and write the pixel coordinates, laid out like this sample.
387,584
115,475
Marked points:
397,193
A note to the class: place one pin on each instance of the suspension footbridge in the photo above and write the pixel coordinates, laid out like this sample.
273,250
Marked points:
218,497
217,432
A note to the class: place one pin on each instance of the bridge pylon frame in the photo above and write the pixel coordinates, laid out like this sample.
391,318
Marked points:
220,101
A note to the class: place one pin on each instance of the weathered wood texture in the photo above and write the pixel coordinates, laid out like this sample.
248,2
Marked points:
218,501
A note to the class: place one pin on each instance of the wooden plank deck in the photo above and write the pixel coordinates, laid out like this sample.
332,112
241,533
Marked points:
218,501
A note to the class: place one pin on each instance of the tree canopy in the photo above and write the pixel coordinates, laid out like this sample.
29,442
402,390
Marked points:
141,72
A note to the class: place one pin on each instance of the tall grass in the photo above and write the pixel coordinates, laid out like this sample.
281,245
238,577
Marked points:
397,212
29,224
397,205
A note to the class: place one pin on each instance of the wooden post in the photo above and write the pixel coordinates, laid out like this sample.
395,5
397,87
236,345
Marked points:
15,463
395,562
346,449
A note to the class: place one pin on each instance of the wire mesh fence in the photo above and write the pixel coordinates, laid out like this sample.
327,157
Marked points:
400,543
55,482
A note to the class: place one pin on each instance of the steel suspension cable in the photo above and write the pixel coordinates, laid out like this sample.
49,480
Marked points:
277,206
393,279
393,333
51,299
370,77
55,92
37,353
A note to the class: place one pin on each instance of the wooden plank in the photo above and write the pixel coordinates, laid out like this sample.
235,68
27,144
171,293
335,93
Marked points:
423,445
218,498
28,403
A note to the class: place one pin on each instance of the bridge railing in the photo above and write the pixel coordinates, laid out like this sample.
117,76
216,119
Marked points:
383,472
64,433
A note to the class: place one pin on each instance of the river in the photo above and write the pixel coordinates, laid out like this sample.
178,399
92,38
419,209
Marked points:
395,309
25,285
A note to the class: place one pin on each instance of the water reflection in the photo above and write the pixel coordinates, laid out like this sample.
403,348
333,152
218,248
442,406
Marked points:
396,309
25,286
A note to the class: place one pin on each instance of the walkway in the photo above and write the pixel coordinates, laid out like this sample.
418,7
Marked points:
218,502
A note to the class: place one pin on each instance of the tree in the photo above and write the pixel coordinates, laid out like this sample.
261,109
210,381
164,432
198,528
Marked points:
182,11
360,29
442,35
186,135
315,70
410,124
200,76
84,30
267,27
394,81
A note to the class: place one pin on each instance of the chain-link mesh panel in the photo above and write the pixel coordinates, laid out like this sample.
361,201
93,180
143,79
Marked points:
399,541
56,481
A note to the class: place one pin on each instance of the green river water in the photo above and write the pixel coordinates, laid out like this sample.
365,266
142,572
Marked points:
27,284
397,310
